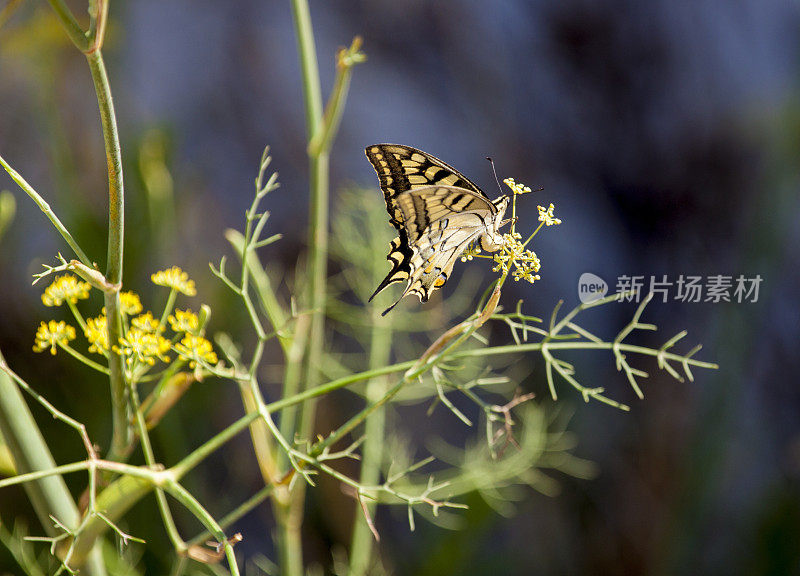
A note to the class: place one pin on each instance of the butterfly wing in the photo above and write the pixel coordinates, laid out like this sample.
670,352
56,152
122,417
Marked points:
437,224
436,210
434,255
403,168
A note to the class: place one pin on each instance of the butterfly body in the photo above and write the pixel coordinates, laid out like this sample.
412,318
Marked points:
437,211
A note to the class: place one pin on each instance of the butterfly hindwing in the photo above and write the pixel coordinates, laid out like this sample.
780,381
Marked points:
434,255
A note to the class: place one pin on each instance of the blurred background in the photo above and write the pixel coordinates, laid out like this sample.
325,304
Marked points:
667,134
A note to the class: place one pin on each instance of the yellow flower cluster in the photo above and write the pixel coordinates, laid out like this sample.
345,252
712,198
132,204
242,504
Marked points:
97,334
513,257
513,253
143,342
130,303
65,288
516,188
143,347
546,216
52,334
146,323
184,321
176,279
196,349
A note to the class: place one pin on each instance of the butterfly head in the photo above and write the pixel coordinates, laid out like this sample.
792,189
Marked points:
492,239
501,204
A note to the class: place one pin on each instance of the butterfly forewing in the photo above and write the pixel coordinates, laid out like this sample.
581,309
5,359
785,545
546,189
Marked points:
401,168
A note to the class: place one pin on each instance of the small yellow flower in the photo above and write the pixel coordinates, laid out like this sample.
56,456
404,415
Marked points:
196,349
472,250
130,303
513,253
176,279
184,321
516,188
97,334
138,346
547,217
65,288
146,323
52,334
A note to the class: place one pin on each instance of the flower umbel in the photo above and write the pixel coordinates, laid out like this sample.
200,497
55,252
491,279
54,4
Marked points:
146,323
143,347
176,279
196,349
52,334
513,256
516,188
130,303
97,334
513,253
184,321
65,288
547,217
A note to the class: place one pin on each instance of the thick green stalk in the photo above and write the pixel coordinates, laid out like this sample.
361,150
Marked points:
318,237
290,518
116,196
361,549
122,435
312,92
49,496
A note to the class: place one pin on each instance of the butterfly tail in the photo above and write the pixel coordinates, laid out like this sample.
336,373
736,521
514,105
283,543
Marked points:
399,255
389,309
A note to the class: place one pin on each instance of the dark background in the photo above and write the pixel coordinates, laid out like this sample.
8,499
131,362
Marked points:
666,133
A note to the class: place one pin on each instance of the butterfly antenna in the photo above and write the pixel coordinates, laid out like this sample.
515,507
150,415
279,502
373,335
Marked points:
496,179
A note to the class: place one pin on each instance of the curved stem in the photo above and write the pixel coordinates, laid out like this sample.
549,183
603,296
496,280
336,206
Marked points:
116,196
122,431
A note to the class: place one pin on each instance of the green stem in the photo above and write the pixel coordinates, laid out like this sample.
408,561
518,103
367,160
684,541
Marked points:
45,207
234,515
83,359
322,139
361,548
116,195
122,435
263,287
290,518
337,384
312,92
496,350
70,24
318,238
150,459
